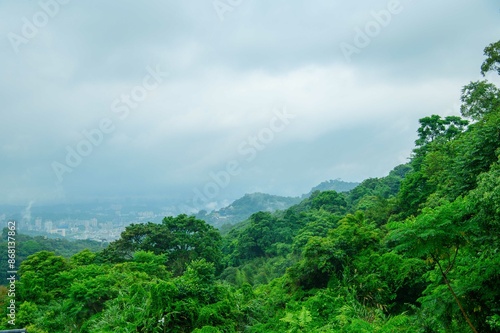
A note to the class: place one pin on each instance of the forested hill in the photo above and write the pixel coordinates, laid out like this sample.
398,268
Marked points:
242,208
416,251
333,185
27,245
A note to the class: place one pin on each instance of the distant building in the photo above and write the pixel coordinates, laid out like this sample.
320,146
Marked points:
48,226
61,232
38,223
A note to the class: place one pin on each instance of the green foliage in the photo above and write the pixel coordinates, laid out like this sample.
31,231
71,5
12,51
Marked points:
85,257
492,62
334,185
298,322
486,200
267,235
181,239
435,128
207,329
327,257
243,208
435,234
329,201
27,314
479,98
41,277
87,297
257,271
27,245
318,224
475,152
377,189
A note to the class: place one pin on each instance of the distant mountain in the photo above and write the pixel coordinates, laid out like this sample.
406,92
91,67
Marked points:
242,208
249,204
332,185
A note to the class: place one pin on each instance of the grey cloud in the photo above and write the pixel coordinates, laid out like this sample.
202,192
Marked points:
354,119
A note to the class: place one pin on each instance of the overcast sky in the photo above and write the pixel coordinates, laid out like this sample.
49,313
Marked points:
208,100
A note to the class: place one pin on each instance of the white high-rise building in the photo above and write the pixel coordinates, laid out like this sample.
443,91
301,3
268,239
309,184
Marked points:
48,225
38,224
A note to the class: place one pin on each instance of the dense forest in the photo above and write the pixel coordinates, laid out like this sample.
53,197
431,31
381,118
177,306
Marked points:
415,251
28,245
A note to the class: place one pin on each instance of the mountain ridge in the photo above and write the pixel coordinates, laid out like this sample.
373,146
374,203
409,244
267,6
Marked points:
242,208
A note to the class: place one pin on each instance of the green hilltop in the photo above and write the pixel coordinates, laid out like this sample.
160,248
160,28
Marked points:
242,208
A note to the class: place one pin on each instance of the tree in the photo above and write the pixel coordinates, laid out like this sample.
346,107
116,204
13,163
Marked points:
328,257
190,239
492,62
434,127
85,257
40,277
481,97
478,99
182,239
297,321
436,235
331,201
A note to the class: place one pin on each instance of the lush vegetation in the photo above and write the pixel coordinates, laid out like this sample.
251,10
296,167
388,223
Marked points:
333,185
416,251
27,245
242,208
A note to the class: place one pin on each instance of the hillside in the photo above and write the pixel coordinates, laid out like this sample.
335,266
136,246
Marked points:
242,208
245,206
333,185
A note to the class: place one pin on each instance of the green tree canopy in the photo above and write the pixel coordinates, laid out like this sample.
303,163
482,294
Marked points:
181,239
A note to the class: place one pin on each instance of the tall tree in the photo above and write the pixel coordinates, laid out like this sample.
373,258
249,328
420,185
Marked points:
182,239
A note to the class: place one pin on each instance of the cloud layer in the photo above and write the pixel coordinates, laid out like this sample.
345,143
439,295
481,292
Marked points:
229,71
